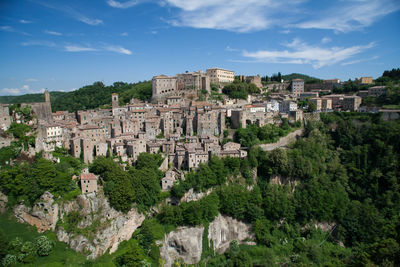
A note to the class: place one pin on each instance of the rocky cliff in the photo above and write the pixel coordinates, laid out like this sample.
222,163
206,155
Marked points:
186,243
223,230
43,215
100,227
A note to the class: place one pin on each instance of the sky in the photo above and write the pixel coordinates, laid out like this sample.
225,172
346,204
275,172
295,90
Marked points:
63,45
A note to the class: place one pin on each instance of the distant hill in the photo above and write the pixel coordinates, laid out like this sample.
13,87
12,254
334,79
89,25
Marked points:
87,97
306,78
29,98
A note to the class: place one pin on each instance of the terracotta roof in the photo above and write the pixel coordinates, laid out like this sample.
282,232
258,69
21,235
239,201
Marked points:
88,176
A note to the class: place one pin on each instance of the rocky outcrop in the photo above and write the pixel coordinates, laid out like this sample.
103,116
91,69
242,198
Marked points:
43,215
191,195
186,243
3,202
223,230
282,181
112,227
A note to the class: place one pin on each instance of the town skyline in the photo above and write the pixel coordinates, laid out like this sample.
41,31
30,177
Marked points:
63,47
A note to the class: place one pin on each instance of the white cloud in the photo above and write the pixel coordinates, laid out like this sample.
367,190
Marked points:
254,15
232,15
302,53
118,49
351,15
124,34
77,48
126,4
25,89
53,33
31,80
23,21
11,29
89,21
230,49
69,11
326,40
38,43
6,28
358,61
111,48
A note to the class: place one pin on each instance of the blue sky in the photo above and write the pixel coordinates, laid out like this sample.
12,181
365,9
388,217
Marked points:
64,45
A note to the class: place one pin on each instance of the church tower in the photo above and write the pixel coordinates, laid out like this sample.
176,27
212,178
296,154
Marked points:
46,96
114,100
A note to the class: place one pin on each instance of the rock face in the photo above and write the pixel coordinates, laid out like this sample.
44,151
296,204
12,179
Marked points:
186,243
194,196
223,230
282,181
3,202
113,227
43,215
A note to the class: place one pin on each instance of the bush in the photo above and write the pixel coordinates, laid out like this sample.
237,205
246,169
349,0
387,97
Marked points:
43,245
9,260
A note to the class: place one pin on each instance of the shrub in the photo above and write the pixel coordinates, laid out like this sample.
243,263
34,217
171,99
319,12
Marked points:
43,245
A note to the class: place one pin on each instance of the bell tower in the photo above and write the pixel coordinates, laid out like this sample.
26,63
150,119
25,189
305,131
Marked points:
114,100
46,96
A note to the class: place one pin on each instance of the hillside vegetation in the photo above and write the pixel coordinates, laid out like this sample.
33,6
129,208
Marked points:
306,78
87,97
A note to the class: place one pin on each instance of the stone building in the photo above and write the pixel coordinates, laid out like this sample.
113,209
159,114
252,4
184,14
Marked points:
297,86
197,80
5,118
365,80
42,110
377,91
252,79
287,106
49,137
351,103
251,114
168,181
88,183
164,86
218,75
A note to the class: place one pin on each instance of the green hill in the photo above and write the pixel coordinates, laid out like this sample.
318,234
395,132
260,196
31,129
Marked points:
306,78
87,97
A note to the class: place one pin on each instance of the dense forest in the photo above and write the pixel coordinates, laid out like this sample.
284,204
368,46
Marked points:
87,97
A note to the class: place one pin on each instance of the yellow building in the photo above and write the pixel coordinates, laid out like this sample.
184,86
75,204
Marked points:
218,75
365,80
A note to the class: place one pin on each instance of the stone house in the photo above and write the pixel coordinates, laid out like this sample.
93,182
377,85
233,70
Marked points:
168,181
88,183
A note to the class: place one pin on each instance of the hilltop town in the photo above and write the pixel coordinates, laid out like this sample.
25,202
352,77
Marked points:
182,120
